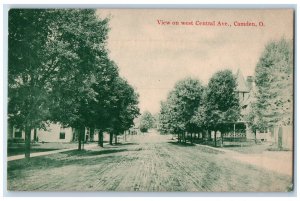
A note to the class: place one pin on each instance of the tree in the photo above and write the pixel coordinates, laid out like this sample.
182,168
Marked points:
146,121
125,110
182,103
51,77
274,82
29,71
199,119
84,34
254,119
222,103
100,109
164,118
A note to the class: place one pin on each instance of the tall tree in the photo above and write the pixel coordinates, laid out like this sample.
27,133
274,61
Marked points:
50,77
274,81
85,35
182,103
29,71
164,118
222,103
100,108
125,110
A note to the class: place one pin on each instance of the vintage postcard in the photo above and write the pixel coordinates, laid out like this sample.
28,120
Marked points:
150,100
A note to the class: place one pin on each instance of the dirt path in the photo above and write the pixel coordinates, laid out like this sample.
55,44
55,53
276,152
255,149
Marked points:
145,163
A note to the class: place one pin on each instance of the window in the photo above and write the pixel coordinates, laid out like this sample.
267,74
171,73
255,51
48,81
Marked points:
18,134
62,135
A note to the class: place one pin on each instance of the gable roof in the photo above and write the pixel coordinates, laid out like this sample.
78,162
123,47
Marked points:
241,83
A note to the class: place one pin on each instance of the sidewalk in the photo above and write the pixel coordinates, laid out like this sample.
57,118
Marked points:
21,156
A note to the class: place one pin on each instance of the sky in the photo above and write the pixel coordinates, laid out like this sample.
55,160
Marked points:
153,57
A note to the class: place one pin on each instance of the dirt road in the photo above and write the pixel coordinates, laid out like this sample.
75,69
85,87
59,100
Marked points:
146,163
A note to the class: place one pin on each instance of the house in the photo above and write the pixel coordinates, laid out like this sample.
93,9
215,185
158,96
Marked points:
239,130
52,133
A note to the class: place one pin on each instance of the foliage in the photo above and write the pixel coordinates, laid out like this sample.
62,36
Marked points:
146,121
59,71
28,70
182,103
73,91
254,116
125,102
274,81
222,103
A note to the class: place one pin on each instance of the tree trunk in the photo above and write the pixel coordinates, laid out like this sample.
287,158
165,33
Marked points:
80,137
110,138
280,137
178,137
27,142
116,139
255,136
215,138
209,135
191,137
35,135
100,138
79,140
222,139
92,133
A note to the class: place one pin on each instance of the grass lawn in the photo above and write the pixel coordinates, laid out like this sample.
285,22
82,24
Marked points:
150,163
18,148
247,147
252,148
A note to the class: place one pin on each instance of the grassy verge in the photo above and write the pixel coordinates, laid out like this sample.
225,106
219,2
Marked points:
18,148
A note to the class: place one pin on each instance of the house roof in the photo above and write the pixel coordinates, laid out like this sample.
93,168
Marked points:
241,83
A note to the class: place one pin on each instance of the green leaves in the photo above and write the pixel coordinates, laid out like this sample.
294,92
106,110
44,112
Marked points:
28,104
191,107
182,103
222,103
274,81
59,71
146,121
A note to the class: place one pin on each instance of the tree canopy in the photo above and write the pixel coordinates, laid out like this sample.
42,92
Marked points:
59,71
125,102
274,81
182,103
222,102
146,121
194,108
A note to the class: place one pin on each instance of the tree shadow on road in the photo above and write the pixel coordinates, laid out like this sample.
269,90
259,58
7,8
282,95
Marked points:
125,144
74,157
93,152
182,144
